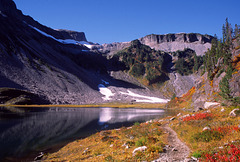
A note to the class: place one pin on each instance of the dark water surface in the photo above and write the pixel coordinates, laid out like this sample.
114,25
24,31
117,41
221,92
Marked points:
35,131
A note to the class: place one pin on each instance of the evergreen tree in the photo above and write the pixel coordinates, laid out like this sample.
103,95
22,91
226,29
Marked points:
196,63
236,30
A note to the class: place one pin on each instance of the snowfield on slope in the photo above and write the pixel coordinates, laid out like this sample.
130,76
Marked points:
109,95
145,98
105,91
64,41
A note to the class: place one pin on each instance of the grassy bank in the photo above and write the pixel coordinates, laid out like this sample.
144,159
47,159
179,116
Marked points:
112,105
117,144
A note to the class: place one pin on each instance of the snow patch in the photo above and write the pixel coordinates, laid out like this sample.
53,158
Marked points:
64,41
105,91
145,98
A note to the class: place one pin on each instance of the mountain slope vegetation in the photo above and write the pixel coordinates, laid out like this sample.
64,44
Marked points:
220,73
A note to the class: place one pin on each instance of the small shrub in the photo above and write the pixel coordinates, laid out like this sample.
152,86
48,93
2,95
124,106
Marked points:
198,116
141,142
223,104
207,136
136,123
109,158
197,154
173,96
155,149
220,72
130,143
229,153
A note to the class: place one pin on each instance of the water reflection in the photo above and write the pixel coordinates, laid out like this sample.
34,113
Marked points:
37,130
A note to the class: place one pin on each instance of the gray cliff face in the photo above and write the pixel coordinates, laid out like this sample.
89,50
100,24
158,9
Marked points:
179,37
168,43
173,42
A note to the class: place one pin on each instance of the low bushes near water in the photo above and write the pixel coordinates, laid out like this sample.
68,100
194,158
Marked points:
198,116
116,145
215,142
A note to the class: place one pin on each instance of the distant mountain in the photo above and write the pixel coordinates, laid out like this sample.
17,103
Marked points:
167,43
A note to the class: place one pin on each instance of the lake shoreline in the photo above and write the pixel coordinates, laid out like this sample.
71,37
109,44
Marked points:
111,105
55,147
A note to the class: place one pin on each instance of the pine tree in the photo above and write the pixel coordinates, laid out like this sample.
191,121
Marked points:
196,63
236,30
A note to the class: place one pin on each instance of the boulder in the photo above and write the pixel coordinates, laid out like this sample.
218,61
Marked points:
184,116
206,128
173,118
233,113
141,149
207,105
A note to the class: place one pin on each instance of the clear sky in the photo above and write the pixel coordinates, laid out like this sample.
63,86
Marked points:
106,21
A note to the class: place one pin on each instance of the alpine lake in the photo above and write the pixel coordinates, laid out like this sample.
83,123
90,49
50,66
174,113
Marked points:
29,132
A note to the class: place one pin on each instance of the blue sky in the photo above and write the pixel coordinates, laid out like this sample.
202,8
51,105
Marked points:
106,21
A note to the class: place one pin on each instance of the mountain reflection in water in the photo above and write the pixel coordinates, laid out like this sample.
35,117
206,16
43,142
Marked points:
38,130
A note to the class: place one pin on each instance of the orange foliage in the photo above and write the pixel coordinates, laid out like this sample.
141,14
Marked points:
189,93
183,100
236,62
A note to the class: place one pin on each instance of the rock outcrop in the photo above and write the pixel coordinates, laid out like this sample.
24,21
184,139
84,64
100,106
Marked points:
173,42
111,48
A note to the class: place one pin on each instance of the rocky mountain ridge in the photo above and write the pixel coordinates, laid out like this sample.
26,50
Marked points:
167,42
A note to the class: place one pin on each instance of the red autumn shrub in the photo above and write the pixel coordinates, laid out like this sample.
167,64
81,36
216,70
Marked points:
230,153
198,116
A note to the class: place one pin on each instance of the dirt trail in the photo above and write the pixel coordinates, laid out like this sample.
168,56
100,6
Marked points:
176,150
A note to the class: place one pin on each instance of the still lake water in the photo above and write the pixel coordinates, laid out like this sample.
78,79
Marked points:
35,131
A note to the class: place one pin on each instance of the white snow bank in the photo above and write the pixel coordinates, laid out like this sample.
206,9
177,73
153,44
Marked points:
105,91
145,98
64,41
